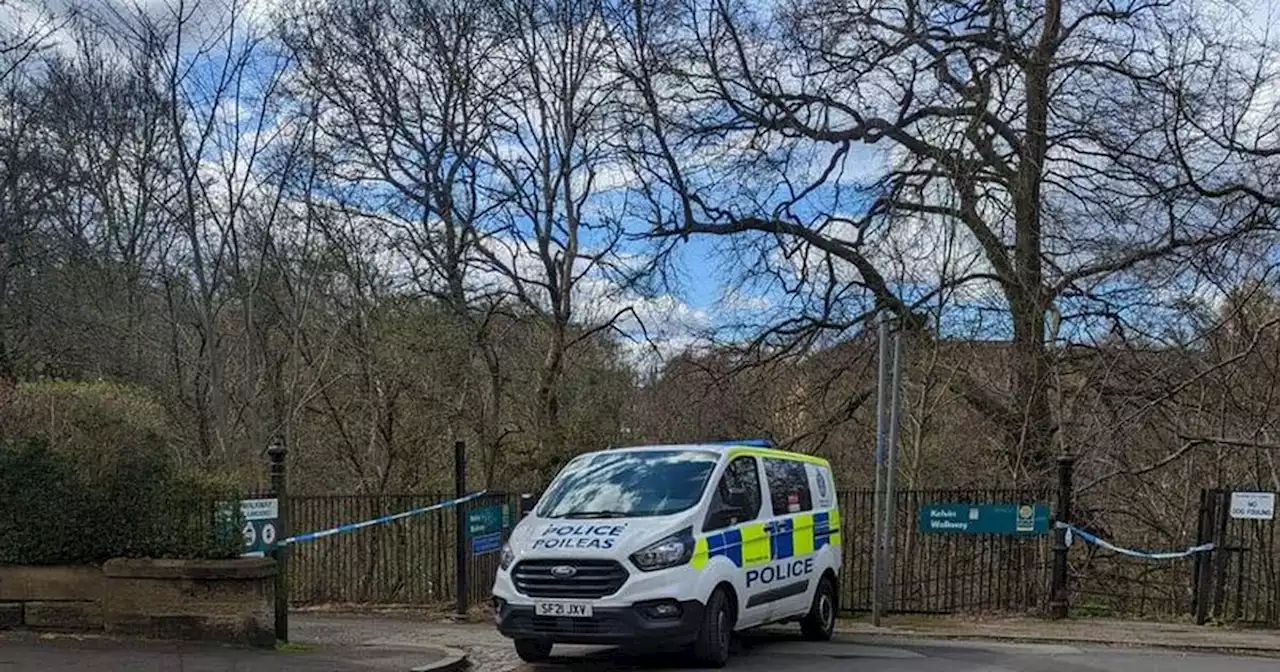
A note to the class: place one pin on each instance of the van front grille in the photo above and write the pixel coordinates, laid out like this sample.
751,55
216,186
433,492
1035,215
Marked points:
587,580
568,626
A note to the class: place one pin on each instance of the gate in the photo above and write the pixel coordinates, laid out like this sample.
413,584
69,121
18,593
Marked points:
944,573
482,562
411,561
1237,581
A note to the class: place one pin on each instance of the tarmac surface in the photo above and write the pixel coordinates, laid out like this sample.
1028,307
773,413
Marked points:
372,643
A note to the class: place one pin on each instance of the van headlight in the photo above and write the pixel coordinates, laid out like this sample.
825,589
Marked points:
508,557
672,551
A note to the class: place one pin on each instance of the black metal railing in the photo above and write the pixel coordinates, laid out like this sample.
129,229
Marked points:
410,561
944,573
413,562
1239,581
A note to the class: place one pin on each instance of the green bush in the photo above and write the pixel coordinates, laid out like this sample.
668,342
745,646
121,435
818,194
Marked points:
57,509
87,421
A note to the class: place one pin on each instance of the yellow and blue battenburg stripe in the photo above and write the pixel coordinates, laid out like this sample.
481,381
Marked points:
727,544
760,543
826,529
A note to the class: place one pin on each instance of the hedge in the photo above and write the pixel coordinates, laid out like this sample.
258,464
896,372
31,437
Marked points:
58,508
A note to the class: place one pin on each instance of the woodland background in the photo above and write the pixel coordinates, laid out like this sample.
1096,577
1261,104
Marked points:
370,229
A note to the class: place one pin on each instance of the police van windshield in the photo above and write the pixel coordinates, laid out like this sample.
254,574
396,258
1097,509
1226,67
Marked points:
629,484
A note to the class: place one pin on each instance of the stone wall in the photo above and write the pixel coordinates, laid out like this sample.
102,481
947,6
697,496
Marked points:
220,600
51,598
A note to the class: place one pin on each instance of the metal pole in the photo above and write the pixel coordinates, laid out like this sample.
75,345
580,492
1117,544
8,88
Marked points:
1200,599
460,528
277,453
1059,601
891,469
882,401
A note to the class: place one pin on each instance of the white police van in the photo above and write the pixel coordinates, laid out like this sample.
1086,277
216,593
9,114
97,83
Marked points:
680,544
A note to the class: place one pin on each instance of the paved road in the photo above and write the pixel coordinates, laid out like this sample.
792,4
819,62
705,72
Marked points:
777,652
387,645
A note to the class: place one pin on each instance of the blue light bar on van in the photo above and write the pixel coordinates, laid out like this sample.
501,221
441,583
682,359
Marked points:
752,443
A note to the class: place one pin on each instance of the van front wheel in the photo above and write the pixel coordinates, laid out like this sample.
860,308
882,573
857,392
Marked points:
533,650
820,623
712,647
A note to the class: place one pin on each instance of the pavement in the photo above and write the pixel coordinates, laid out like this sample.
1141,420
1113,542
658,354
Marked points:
1116,633
377,643
902,644
23,652
783,652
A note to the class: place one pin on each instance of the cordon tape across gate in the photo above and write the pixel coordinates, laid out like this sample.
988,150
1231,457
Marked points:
311,536
1072,530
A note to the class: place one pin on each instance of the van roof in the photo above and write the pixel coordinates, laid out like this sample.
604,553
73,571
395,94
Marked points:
733,448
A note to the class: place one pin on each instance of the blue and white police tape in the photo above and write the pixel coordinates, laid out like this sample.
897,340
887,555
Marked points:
311,536
1073,531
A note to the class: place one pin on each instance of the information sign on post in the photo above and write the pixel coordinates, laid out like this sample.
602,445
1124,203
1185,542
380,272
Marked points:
1253,505
1021,519
484,529
259,530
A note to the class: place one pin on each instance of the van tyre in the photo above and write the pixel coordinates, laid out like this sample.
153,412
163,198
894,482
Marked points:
820,623
533,650
712,646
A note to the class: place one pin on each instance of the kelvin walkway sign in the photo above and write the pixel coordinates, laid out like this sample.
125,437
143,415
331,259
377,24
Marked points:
1017,519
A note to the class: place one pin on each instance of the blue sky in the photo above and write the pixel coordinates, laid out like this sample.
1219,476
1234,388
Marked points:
704,278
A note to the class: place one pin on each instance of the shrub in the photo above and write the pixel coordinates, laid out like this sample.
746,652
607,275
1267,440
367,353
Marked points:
54,510
87,421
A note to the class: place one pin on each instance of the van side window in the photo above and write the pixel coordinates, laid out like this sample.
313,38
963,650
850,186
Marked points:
788,486
741,484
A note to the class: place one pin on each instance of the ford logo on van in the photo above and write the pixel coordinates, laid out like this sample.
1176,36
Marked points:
564,572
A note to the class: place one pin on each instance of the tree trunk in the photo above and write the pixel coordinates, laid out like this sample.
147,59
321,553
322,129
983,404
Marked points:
550,441
8,371
1033,442
1028,296
491,417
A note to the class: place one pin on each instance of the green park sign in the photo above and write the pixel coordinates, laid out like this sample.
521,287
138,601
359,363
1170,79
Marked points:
484,520
1017,519
261,524
484,529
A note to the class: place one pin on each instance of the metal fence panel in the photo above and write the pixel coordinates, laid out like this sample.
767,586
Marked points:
482,569
412,561
405,562
944,573
1238,580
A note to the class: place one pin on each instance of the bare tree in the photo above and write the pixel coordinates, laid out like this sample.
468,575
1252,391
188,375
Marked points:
107,117
1041,133
405,96
26,183
558,240
216,75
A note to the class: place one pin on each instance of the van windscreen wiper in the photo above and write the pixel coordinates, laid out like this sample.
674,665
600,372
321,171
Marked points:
594,514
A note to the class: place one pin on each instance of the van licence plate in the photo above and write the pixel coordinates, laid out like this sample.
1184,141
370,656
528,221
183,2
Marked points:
562,609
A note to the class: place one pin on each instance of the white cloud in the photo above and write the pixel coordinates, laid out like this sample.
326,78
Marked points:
734,300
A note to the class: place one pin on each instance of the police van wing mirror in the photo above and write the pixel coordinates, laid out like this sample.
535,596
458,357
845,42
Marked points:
527,500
